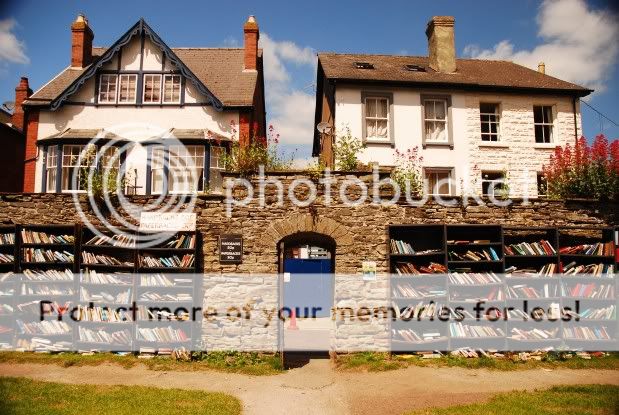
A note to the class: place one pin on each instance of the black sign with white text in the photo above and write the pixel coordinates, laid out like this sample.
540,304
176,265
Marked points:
230,249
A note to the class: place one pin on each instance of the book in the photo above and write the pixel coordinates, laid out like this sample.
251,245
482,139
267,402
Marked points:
102,314
182,241
115,337
590,290
523,291
599,248
467,330
488,254
162,334
586,333
534,334
407,268
34,237
104,259
407,290
6,258
65,275
473,278
547,270
595,270
119,240
121,297
7,239
103,278
46,255
174,261
542,247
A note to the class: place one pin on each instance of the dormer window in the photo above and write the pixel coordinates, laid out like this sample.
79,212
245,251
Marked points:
364,65
172,89
117,89
155,83
152,89
414,68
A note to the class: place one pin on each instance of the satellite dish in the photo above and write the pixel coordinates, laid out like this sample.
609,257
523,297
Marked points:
323,127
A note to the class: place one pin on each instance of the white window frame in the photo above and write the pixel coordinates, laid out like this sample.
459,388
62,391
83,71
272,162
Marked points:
51,169
163,88
543,124
375,119
157,166
144,89
188,160
120,87
497,122
216,165
115,83
445,121
492,183
79,157
438,170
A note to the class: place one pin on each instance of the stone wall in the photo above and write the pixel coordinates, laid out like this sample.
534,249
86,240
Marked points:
360,232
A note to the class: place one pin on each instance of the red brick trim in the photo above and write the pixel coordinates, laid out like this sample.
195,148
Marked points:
30,161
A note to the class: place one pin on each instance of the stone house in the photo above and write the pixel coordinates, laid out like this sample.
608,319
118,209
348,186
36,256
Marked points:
472,120
140,89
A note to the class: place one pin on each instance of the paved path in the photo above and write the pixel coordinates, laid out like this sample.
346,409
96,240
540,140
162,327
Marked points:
317,389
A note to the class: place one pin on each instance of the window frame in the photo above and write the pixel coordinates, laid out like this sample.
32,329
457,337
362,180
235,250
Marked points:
496,181
135,88
436,170
218,168
100,83
167,170
541,181
448,120
498,115
47,168
180,87
543,124
390,139
144,75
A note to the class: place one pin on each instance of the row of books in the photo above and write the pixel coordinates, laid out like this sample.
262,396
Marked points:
42,289
162,334
4,330
468,242
46,255
534,334
90,258
401,247
120,337
586,333
7,291
494,294
182,241
122,297
154,296
601,313
595,270
483,255
542,247
34,237
39,344
6,309
524,291
94,277
121,240
7,258
467,330
101,314
168,262
407,268
421,310
547,270
65,275
45,327
473,278
7,276
600,248
160,280
7,239
410,335
408,291
590,290
148,314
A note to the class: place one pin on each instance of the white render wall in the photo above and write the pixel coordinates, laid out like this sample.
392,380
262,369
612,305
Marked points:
129,121
517,153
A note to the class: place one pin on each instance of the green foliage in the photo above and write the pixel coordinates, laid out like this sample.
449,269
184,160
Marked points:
407,172
261,151
316,169
100,180
346,150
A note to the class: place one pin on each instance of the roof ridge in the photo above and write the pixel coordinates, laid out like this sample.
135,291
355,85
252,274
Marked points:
411,56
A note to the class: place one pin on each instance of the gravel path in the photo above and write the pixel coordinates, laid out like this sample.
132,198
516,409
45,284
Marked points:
317,389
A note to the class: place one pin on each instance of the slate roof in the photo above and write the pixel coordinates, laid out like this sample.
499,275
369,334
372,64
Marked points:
476,73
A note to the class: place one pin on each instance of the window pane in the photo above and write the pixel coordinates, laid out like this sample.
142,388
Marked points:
51,160
107,88
547,112
429,110
381,129
440,110
172,88
382,108
488,108
370,107
547,133
485,127
371,128
127,88
152,88
539,134
435,131
537,115
156,181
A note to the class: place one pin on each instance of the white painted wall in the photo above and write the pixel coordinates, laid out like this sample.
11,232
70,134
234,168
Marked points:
517,153
132,122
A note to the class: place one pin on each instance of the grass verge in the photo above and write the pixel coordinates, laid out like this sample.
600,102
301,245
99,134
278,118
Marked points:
558,400
236,362
25,396
378,362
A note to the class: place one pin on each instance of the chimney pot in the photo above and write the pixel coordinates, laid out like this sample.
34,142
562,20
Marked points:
81,42
441,44
251,36
541,67
22,92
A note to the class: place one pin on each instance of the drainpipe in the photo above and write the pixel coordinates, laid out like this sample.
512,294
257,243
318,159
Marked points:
575,118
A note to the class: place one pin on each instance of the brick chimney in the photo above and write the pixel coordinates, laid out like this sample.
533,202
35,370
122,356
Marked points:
81,42
441,44
541,67
22,92
252,34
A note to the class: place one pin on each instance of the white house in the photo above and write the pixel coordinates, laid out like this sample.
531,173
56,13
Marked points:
472,120
139,89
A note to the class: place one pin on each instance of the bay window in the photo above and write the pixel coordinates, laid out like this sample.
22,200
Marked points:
51,169
177,169
73,166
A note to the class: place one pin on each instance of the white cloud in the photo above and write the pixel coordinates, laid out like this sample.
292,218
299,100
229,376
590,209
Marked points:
290,109
231,42
579,43
12,50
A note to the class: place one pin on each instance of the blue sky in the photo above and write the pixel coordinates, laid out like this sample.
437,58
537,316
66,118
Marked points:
576,39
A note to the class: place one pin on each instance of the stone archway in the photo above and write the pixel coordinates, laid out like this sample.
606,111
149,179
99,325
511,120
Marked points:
307,224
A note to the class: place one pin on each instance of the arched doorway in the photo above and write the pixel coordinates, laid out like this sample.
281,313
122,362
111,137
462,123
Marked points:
307,264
